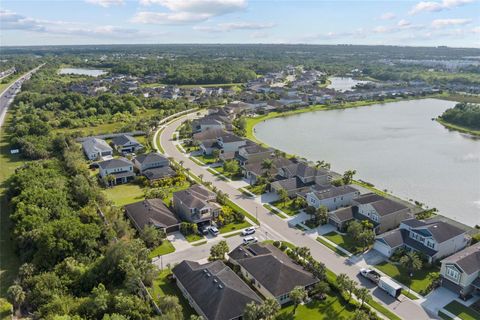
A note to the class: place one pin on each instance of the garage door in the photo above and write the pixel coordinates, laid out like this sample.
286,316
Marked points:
382,248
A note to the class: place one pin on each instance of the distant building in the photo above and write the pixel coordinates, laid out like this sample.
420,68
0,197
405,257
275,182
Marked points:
214,290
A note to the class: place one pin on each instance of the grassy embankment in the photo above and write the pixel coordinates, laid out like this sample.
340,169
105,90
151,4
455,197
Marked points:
458,98
455,127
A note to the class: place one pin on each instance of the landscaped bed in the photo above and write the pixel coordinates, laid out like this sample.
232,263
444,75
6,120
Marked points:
462,311
165,248
419,282
257,189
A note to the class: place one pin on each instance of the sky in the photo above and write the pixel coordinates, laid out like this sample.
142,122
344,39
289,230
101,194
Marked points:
454,23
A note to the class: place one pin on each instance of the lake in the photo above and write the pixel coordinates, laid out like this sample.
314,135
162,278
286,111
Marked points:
85,72
343,83
396,146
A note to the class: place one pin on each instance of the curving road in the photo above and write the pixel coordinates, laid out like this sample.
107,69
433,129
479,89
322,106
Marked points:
279,229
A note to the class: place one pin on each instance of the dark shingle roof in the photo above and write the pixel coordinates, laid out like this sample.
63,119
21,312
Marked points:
124,139
343,214
215,288
368,198
151,157
151,212
442,231
158,173
114,163
334,192
392,238
468,259
272,268
195,196
289,184
386,206
209,134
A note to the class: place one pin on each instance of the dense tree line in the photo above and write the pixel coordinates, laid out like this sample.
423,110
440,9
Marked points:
463,114
73,264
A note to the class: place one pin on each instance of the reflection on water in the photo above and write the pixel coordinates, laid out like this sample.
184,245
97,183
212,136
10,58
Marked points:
395,146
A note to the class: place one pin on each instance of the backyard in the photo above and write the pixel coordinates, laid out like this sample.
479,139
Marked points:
162,286
419,282
124,194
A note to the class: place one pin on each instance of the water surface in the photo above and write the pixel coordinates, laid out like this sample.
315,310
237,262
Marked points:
80,71
395,146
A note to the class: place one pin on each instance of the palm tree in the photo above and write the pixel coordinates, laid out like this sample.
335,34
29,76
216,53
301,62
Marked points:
360,315
181,162
16,295
322,288
411,261
267,164
265,311
348,176
362,294
200,176
298,295
283,194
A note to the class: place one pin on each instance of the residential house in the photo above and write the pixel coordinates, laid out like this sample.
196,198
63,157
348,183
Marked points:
126,144
230,143
253,170
460,272
385,214
306,173
271,271
213,121
153,166
152,212
121,169
293,186
196,204
332,197
434,239
214,290
95,148
252,152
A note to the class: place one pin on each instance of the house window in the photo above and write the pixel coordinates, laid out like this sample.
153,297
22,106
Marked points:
430,244
452,273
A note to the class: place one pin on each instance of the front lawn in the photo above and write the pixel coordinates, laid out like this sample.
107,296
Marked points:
330,308
257,189
418,283
165,248
343,241
331,247
462,311
287,207
123,194
193,237
236,177
207,159
162,286
234,226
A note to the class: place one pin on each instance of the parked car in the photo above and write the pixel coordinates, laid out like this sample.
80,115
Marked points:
249,239
204,230
370,274
214,231
248,231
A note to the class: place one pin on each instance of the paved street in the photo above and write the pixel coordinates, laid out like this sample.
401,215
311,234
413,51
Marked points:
6,97
279,229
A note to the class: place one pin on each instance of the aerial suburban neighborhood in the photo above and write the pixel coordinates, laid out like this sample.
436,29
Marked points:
296,178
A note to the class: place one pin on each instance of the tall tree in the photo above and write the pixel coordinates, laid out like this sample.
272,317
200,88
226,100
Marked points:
16,295
298,295
362,294
218,251
171,308
348,176
411,261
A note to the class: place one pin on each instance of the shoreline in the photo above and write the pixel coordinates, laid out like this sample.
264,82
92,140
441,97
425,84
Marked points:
250,134
455,127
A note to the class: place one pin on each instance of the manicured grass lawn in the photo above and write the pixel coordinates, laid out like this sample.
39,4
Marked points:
330,308
245,213
462,311
344,241
123,194
409,295
234,226
257,189
287,207
286,243
418,283
334,249
443,316
193,237
165,248
205,159
163,286
269,207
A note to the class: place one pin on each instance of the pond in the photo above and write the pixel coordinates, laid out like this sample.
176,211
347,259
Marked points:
80,71
396,146
343,83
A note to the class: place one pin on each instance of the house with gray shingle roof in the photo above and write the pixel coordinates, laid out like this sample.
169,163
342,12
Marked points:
271,271
121,169
461,272
152,212
332,197
214,290
434,239
196,204
126,144
153,166
95,148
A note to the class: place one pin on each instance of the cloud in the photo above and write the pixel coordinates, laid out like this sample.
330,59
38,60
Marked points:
388,16
432,6
231,26
442,23
106,3
404,23
476,30
14,21
187,11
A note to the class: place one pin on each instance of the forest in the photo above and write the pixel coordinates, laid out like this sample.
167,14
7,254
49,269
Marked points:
464,115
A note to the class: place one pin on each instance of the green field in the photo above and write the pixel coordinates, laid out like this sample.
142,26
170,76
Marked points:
162,286
165,248
419,282
462,311
123,194
234,226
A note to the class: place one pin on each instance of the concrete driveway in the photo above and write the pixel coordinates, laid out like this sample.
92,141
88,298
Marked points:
437,299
